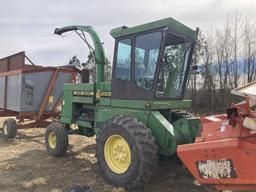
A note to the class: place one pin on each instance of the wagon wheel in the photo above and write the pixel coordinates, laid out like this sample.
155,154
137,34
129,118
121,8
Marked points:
10,128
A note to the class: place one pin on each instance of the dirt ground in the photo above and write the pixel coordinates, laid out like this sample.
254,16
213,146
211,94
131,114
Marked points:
25,166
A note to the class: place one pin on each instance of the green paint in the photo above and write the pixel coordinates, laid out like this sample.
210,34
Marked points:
163,131
79,87
67,107
168,22
96,51
84,124
167,134
99,52
152,105
83,99
66,120
105,113
105,101
170,135
194,126
105,86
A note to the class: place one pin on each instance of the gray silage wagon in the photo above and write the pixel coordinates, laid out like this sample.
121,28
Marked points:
30,92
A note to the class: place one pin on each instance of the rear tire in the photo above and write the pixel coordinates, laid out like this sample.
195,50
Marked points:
142,149
10,128
56,139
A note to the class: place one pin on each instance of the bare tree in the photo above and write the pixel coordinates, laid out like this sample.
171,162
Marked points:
193,80
208,84
223,54
249,49
235,45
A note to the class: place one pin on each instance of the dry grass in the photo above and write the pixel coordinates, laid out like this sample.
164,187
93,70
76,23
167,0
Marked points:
26,167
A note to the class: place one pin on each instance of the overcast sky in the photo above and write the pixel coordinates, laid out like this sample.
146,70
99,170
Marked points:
29,24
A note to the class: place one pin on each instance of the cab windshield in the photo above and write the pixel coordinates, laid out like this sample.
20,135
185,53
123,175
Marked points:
173,67
146,56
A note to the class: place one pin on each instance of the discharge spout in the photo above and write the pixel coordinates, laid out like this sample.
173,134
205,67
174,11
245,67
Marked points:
99,53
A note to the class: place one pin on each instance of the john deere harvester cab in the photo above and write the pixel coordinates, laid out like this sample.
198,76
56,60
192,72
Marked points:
152,61
140,113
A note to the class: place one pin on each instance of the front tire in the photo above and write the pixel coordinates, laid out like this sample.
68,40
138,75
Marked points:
127,153
56,139
10,128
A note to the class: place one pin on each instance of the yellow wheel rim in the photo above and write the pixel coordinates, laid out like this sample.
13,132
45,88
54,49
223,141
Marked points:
52,140
117,154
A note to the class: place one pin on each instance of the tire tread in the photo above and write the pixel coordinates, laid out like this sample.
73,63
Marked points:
145,143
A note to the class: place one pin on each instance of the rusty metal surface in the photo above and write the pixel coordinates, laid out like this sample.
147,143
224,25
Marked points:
37,69
13,62
6,113
58,102
48,93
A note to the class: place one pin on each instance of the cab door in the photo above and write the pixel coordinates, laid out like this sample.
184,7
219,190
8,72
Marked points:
135,65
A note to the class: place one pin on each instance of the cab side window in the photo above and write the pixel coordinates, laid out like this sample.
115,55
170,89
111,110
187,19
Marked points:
123,60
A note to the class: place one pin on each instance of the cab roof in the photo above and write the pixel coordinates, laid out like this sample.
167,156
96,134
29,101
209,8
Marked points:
167,22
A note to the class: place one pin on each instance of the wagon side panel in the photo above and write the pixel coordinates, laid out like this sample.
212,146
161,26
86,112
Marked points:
13,98
57,90
2,92
34,87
